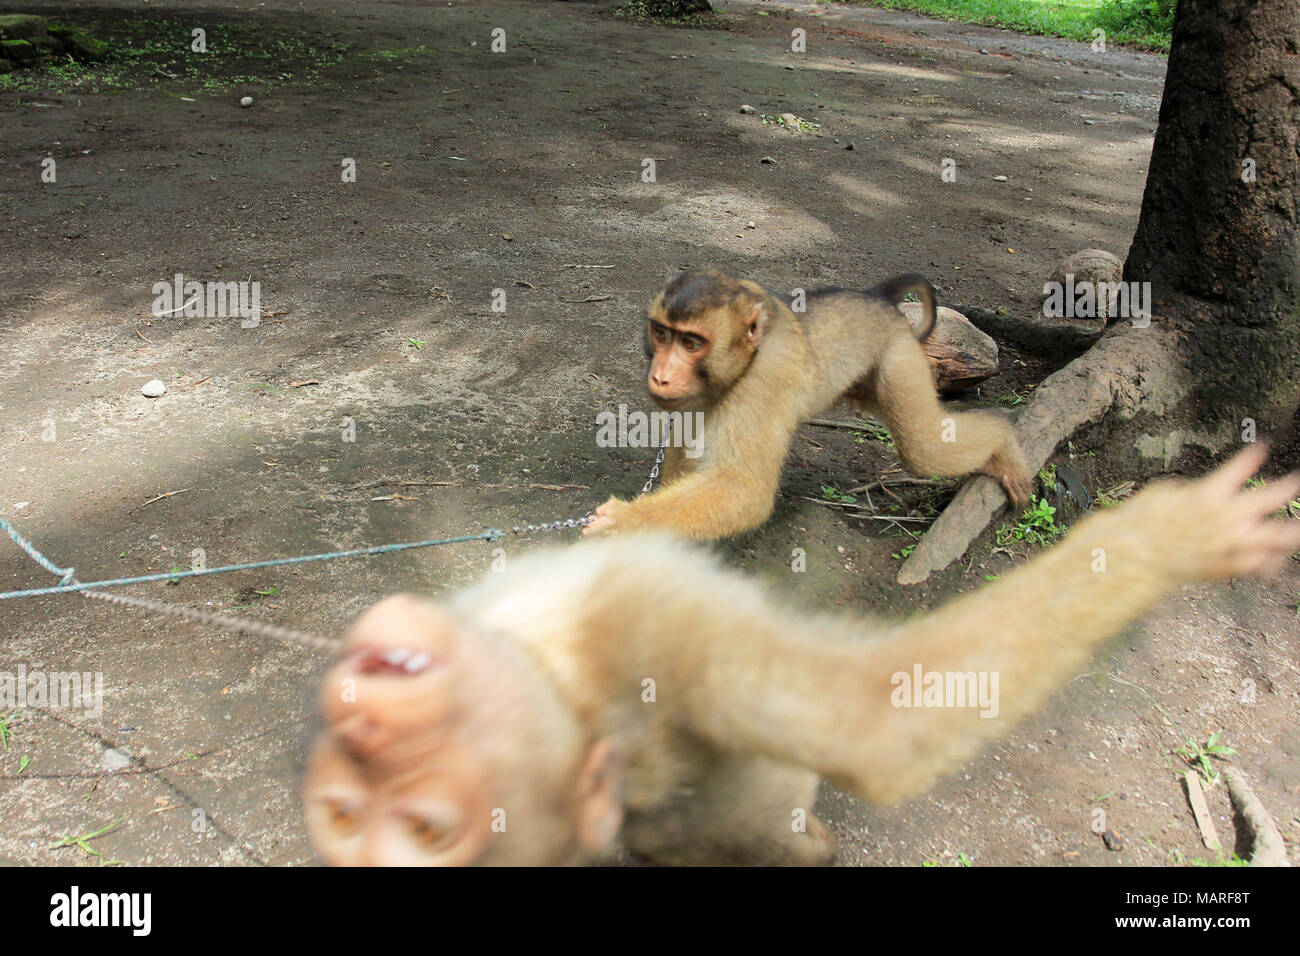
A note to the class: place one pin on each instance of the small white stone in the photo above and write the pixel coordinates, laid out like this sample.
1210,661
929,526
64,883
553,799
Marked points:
153,389
115,760
999,179
748,110
751,225
246,101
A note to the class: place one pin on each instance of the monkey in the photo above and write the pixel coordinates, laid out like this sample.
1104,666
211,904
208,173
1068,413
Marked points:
630,692
755,370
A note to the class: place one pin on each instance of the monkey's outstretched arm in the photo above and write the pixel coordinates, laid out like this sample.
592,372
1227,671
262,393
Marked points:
704,505
805,691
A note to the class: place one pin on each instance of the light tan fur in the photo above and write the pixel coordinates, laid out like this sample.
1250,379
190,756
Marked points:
765,369
631,685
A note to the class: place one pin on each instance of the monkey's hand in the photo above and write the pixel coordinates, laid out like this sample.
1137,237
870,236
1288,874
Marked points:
607,516
1225,531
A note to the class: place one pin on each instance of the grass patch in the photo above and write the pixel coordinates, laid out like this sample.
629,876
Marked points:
1145,24
144,51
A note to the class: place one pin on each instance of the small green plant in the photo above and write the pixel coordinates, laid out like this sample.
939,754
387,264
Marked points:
1199,755
175,568
416,343
1036,526
1222,860
5,732
873,431
904,552
83,842
831,494
1009,399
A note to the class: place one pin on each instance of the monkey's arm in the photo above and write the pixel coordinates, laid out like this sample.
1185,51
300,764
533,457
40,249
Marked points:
732,492
704,505
805,691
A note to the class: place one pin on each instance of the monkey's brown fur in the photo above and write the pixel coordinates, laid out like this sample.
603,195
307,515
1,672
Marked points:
632,686
734,351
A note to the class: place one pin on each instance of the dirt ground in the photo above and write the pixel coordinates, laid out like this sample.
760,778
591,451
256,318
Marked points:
521,171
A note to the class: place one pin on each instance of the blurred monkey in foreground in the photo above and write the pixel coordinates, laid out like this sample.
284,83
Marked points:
632,691
755,370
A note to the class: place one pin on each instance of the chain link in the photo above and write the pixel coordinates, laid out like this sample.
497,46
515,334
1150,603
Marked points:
654,473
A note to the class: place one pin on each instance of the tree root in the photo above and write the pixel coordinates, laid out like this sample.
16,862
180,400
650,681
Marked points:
1109,376
1269,850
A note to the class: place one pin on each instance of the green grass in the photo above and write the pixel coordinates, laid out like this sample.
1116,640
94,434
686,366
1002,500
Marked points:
147,50
1140,23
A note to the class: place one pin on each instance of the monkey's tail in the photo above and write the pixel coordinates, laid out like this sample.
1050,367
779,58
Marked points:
893,290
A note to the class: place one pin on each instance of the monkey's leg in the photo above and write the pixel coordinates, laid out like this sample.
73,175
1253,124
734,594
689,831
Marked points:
932,440
740,811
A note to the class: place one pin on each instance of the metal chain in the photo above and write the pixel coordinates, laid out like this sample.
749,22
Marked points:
654,473
240,624
274,632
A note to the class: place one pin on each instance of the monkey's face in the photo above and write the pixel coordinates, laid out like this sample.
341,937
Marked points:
442,748
701,333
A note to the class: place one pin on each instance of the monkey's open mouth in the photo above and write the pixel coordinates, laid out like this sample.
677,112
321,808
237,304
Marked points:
395,661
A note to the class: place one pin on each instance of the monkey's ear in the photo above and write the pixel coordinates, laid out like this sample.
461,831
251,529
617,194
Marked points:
599,796
756,324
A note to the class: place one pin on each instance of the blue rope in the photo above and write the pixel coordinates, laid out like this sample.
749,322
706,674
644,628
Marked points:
66,574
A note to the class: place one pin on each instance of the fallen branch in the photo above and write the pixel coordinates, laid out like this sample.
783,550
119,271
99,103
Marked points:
856,426
160,498
1201,811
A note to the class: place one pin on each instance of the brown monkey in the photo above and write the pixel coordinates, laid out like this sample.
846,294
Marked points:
735,352
630,688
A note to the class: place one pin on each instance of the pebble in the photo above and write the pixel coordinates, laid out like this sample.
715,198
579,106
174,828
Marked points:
751,225
984,51
153,389
748,110
246,101
849,145
767,159
115,760
999,179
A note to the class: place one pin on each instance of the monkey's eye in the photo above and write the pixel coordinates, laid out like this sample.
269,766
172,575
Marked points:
692,343
342,816
429,834
659,333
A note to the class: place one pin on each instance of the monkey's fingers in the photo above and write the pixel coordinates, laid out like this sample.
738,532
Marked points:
605,518
1226,480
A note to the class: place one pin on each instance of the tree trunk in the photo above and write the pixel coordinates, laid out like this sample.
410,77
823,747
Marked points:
1219,240
1222,252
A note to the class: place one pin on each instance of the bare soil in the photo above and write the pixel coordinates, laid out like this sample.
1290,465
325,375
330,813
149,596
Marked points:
521,171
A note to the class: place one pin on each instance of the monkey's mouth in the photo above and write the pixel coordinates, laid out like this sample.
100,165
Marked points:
392,661
669,403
